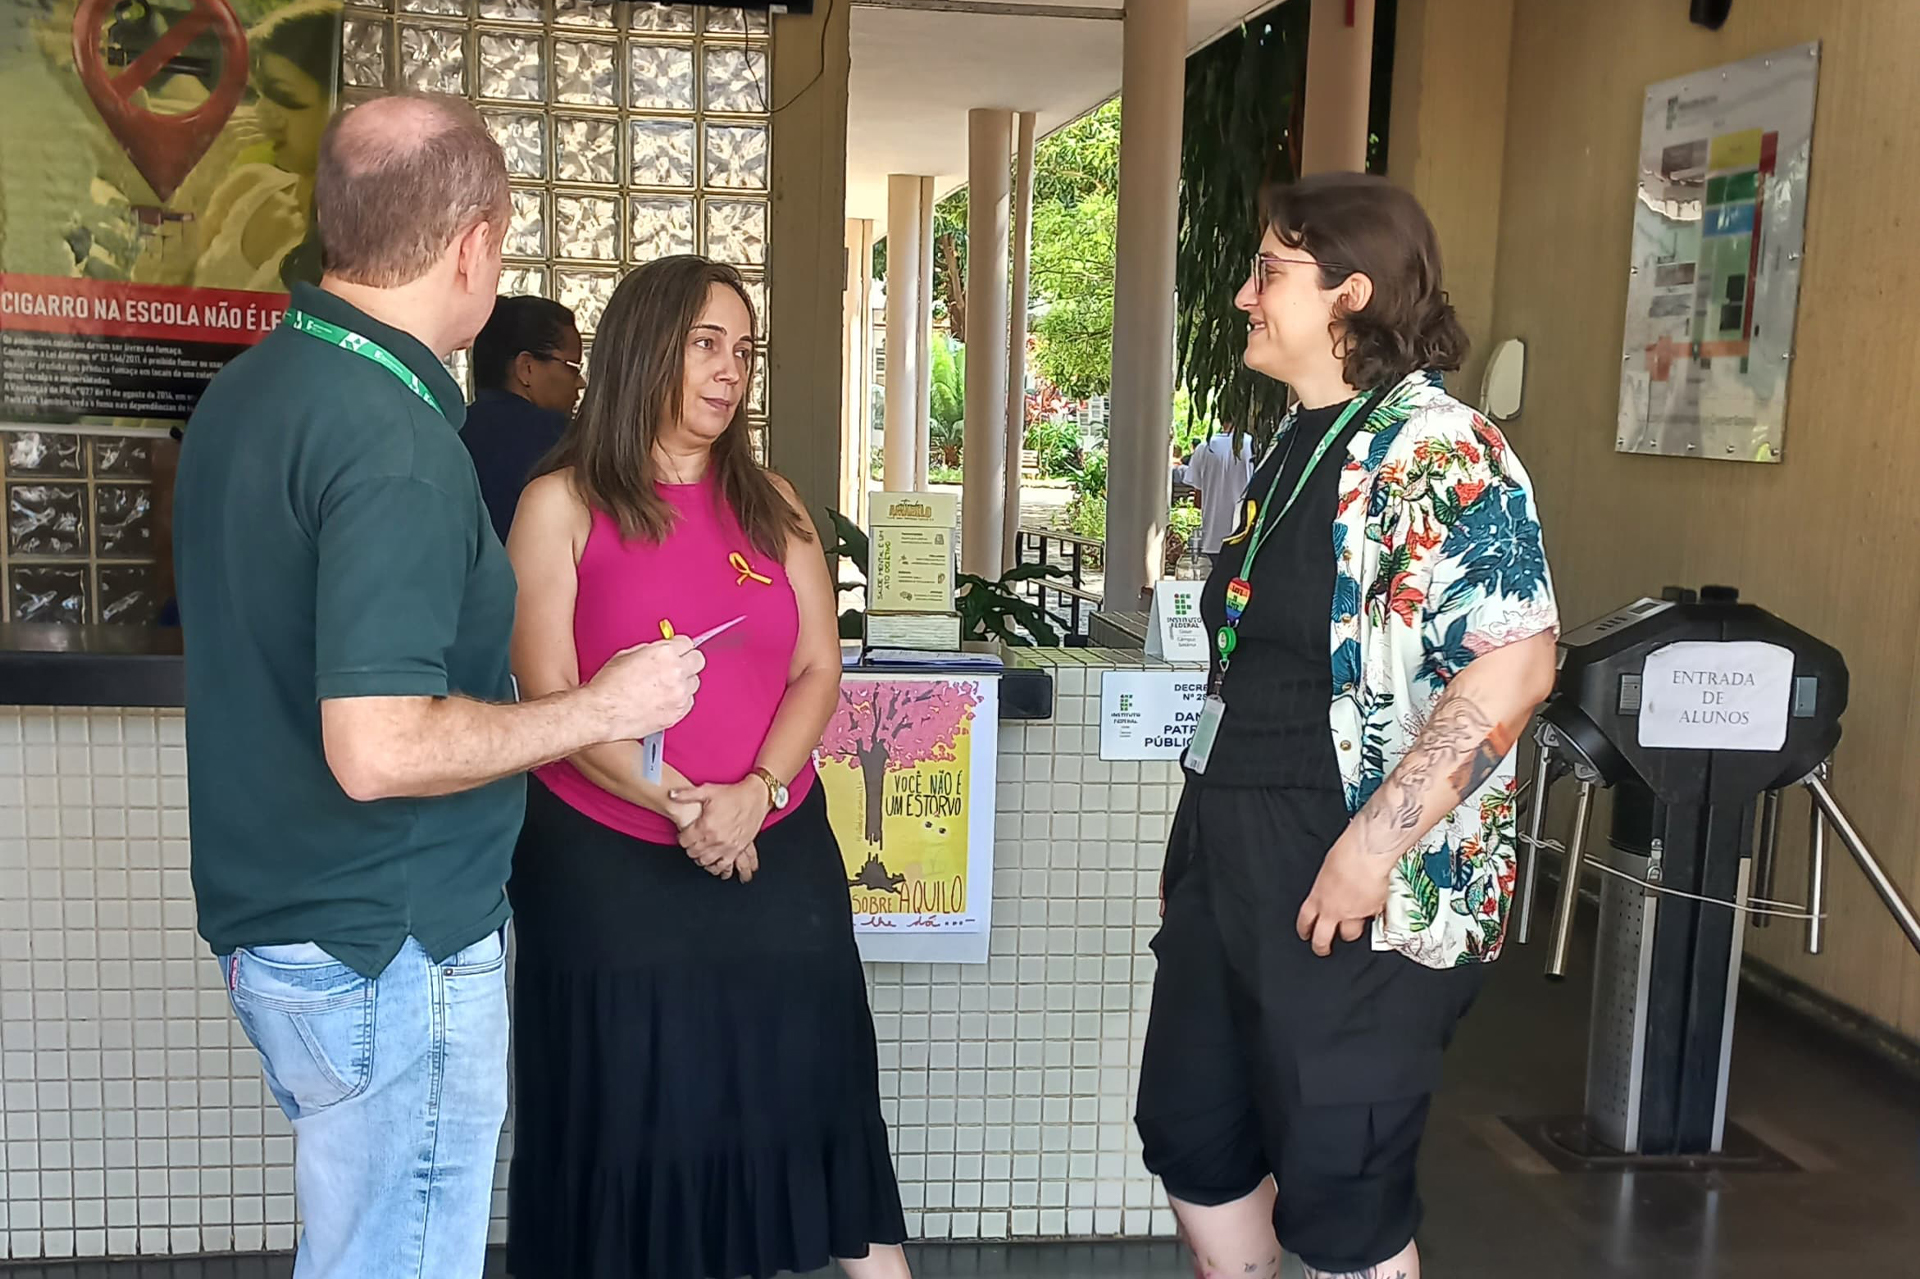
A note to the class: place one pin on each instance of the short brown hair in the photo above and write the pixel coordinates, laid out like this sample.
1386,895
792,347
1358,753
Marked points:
1362,224
399,178
637,382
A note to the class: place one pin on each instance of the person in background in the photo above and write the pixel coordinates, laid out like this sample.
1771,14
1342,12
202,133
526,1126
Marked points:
526,378
696,1078
1218,472
354,750
1342,858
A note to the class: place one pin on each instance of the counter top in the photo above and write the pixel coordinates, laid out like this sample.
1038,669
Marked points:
54,664
50,664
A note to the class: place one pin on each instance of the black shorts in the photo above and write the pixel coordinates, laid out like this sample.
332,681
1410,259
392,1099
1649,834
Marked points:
1264,1059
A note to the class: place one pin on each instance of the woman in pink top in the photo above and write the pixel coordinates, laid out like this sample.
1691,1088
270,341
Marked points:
696,1082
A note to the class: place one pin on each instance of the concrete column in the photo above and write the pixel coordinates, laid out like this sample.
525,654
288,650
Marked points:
1339,86
1017,328
856,367
983,457
906,361
923,412
1139,481
809,211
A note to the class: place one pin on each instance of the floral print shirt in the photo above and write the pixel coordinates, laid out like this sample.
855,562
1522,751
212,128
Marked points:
1438,559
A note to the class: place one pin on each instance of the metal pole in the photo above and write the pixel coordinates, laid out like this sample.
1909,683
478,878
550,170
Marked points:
1816,878
1536,822
1889,892
1764,859
1570,883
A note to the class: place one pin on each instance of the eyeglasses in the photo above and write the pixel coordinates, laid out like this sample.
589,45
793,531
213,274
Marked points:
571,364
1261,261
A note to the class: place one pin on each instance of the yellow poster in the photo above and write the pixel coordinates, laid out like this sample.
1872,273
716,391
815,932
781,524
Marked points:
908,766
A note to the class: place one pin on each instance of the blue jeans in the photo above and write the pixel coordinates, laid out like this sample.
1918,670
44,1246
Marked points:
397,1087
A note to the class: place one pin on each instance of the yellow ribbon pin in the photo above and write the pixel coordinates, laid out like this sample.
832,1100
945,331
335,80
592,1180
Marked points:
1246,524
740,565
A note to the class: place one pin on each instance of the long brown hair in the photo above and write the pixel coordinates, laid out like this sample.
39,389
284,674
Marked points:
1361,223
637,378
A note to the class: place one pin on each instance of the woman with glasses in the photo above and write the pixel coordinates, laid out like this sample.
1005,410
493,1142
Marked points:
526,379
1342,859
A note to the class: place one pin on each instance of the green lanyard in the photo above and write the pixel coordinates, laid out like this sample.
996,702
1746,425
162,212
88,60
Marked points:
348,340
1240,589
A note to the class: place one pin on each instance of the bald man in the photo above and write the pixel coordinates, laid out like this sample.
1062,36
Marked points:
355,750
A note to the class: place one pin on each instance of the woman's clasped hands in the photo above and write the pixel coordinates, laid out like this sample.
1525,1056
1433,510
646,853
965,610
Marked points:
718,824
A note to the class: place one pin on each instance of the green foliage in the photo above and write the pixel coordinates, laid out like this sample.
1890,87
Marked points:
947,367
1056,446
1239,134
1090,477
1190,429
997,610
1081,159
1076,213
1087,517
1184,521
1073,270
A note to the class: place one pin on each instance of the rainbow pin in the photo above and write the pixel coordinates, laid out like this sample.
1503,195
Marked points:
1239,591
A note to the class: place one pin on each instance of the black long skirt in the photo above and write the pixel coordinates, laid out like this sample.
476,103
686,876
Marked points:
695,1079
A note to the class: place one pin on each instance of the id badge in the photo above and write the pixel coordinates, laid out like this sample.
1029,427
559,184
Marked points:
1200,749
653,749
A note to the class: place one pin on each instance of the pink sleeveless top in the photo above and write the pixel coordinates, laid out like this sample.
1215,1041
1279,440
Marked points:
706,572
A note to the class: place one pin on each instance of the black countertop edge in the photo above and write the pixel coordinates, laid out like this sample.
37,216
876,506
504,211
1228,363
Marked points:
1026,692
50,664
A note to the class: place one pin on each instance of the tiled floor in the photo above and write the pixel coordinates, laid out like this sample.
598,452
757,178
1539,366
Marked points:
1495,1212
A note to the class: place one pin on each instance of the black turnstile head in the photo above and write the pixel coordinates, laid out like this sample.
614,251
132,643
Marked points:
1702,699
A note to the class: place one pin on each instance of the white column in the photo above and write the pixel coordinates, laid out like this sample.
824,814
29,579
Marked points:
1017,329
906,362
1333,130
856,368
1139,481
983,456
923,412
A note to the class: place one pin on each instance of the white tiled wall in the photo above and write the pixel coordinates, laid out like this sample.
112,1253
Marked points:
135,1119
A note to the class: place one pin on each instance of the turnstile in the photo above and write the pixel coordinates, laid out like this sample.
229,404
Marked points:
1695,710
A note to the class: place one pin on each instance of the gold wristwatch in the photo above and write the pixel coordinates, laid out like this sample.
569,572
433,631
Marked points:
776,789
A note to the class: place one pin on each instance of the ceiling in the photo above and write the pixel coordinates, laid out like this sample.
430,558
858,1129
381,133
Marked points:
919,65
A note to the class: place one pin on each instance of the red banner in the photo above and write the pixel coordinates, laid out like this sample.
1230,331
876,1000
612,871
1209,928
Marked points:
110,308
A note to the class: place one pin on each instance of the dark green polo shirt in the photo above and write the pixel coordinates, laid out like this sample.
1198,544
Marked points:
330,541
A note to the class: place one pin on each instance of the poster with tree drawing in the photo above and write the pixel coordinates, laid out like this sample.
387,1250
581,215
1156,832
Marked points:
906,794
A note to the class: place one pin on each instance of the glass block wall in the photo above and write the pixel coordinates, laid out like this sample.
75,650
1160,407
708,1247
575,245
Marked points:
80,541
631,131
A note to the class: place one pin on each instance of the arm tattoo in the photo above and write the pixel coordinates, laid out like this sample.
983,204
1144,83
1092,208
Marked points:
1457,750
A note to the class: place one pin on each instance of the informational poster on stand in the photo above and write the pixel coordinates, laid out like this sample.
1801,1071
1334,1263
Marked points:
908,764
154,212
1719,231
912,552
